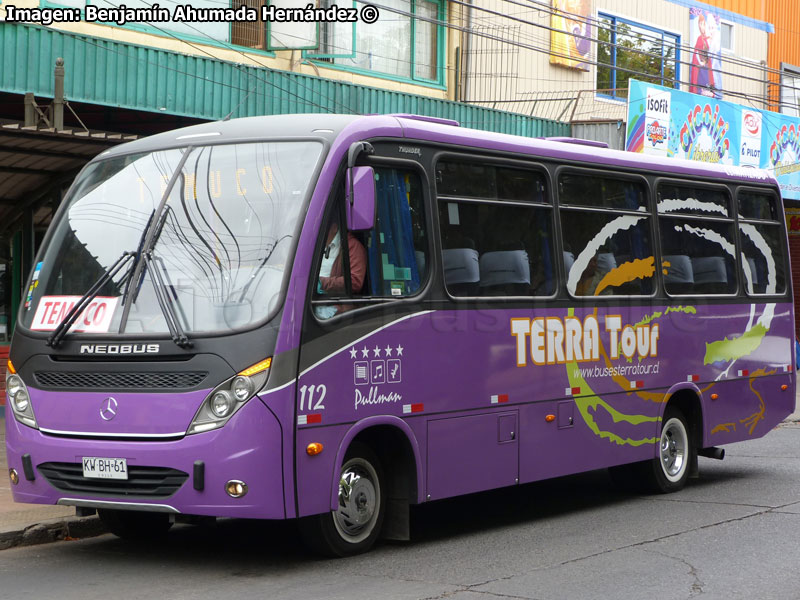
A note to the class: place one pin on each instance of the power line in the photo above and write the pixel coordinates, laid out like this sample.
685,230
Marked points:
240,68
542,9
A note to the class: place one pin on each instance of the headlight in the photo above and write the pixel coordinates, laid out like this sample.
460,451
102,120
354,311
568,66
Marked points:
20,400
242,388
13,385
229,396
221,404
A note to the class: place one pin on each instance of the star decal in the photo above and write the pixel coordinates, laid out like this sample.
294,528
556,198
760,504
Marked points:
364,352
377,351
399,350
388,350
353,352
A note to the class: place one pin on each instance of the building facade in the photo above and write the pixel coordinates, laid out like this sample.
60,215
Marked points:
120,80
571,59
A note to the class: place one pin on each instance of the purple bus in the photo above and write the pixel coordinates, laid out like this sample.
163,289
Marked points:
330,318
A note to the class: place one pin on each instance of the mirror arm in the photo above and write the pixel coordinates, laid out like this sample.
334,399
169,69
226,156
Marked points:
357,148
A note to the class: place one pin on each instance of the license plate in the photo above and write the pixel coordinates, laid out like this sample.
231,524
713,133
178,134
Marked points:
105,468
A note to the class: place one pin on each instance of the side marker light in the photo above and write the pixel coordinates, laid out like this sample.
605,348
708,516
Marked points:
784,387
313,448
714,396
550,418
10,367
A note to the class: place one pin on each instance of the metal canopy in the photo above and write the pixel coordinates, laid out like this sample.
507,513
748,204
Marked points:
36,164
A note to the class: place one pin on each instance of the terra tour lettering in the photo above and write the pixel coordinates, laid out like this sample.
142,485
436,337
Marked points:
555,341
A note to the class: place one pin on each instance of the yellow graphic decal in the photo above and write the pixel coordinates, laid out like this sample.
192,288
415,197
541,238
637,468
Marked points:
640,268
753,420
724,427
588,405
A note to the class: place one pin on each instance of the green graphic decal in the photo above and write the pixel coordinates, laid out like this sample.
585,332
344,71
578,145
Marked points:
588,406
691,310
735,348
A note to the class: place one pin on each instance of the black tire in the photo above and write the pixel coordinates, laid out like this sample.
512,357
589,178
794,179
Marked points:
135,525
670,470
356,525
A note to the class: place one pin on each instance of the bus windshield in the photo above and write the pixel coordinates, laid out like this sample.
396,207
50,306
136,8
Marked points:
220,243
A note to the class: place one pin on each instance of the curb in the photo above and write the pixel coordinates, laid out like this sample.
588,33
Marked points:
52,530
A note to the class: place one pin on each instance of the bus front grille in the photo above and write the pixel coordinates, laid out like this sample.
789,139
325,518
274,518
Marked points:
151,482
119,380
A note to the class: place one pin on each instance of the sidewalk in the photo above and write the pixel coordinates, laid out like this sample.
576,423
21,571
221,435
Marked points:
27,524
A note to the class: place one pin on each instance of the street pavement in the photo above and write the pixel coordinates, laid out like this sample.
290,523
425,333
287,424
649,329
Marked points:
28,524
730,535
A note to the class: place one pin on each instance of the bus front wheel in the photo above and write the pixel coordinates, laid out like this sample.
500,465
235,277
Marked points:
135,525
356,523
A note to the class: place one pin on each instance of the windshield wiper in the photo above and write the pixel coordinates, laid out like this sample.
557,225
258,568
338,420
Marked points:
150,237
165,301
77,309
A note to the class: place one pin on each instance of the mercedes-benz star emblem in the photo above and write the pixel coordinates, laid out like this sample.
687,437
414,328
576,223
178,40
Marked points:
109,410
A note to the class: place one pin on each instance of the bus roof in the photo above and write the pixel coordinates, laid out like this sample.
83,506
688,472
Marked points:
423,129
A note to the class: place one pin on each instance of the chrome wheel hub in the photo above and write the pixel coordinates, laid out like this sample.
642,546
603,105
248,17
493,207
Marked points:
359,499
674,443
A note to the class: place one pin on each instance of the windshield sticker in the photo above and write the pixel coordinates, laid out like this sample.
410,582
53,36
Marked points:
96,318
33,286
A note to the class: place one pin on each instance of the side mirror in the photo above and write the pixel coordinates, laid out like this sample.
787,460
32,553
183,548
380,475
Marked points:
360,198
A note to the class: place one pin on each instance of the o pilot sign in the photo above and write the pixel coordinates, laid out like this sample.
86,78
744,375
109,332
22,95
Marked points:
95,318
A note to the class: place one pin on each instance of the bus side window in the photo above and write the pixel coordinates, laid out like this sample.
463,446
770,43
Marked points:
760,235
492,248
606,233
496,230
697,240
338,278
390,260
397,247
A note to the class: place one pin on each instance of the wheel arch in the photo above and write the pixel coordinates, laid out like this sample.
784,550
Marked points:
397,448
688,399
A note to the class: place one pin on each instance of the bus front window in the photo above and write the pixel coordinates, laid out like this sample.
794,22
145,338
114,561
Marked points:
220,243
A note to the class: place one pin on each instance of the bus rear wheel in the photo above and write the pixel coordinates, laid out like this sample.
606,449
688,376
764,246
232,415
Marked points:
355,525
135,525
669,471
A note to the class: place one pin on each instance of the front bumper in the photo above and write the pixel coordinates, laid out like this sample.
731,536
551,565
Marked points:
248,448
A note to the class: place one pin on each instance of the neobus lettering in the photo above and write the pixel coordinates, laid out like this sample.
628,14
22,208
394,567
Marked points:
119,348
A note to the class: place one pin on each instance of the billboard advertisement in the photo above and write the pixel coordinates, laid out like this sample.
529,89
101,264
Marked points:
706,68
571,33
671,123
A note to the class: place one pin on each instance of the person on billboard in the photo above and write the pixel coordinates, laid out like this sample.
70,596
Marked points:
702,77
